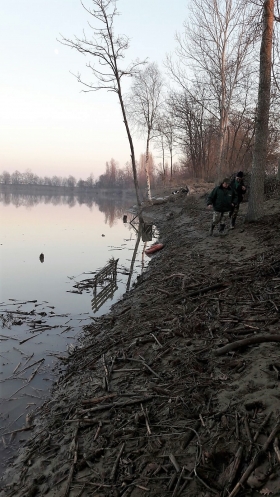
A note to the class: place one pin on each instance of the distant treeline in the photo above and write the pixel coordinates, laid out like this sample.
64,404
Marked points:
29,178
113,206
114,177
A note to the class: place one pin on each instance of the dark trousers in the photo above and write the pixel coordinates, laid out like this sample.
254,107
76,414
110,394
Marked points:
233,214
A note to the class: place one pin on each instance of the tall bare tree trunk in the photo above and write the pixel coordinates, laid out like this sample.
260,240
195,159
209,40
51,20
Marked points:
147,167
108,49
132,153
139,233
256,199
171,162
223,112
220,151
163,159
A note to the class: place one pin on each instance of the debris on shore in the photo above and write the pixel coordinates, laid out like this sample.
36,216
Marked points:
175,392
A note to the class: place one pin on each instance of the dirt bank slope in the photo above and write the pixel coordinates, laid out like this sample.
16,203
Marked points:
151,403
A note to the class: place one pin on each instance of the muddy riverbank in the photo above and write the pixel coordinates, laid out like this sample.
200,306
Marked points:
163,396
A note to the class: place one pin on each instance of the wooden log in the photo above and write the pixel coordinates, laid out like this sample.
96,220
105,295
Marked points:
247,341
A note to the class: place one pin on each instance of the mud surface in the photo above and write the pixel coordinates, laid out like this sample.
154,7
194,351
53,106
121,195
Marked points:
163,396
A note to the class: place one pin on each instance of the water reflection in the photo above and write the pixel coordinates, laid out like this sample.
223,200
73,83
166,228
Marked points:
113,208
147,232
102,296
108,273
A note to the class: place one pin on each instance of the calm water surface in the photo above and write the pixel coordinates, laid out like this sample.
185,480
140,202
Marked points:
77,240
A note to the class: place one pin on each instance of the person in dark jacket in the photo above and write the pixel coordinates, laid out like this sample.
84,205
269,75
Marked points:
238,185
222,199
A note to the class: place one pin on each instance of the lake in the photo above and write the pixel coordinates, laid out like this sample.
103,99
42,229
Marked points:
51,251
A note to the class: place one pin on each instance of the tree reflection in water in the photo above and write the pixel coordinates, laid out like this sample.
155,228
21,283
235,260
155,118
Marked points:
112,207
108,273
145,232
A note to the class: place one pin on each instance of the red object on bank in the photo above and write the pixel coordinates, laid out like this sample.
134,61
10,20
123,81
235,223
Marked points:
154,248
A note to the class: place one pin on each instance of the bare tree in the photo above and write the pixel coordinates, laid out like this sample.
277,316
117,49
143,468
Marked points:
160,145
194,131
256,200
144,104
166,128
5,178
215,50
108,50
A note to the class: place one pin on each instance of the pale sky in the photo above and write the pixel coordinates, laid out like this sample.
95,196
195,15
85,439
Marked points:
47,124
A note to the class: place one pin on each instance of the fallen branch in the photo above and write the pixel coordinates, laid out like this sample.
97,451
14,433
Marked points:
189,436
262,426
236,464
97,400
276,449
117,404
116,463
30,365
25,428
255,461
26,340
206,289
74,449
147,420
164,291
247,341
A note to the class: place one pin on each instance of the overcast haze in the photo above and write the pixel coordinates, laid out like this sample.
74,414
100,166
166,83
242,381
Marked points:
47,123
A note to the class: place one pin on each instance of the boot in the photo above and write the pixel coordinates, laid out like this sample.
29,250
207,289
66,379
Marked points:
222,228
211,229
232,224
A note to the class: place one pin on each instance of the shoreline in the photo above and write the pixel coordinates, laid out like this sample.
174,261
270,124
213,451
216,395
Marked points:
148,404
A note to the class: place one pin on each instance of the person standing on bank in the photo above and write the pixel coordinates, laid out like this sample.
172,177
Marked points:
222,199
237,185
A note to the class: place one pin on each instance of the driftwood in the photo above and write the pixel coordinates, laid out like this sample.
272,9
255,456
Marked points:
236,464
265,421
247,341
255,461
97,400
188,438
206,289
29,338
116,463
276,449
74,450
117,405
